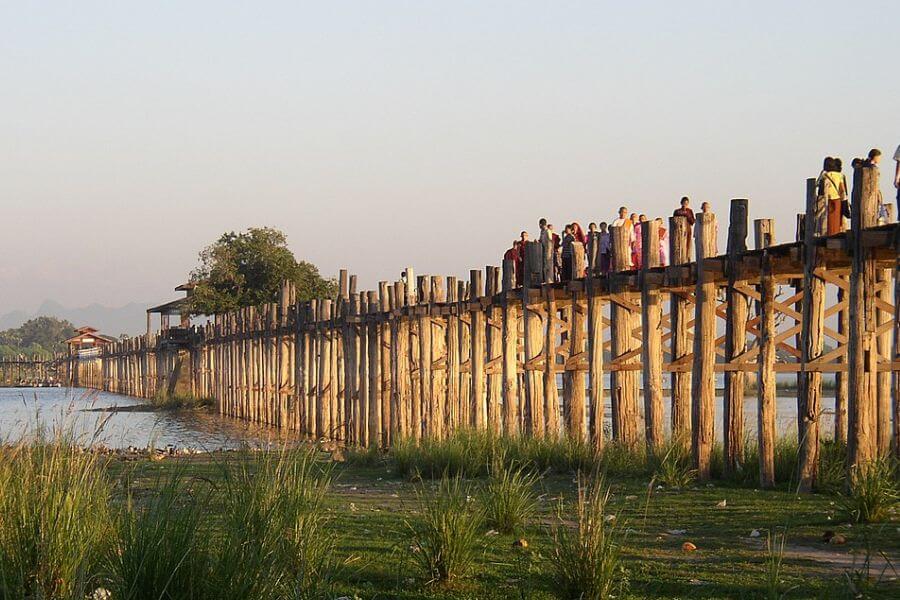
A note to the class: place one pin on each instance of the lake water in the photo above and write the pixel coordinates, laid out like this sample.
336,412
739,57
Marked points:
21,409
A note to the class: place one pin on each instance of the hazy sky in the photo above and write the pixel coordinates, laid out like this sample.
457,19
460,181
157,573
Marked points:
384,134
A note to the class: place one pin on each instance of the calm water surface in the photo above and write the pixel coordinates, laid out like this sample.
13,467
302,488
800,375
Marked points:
23,409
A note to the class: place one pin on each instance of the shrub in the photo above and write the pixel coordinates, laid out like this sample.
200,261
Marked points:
161,551
620,460
508,497
274,540
586,561
832,465
872,493
54,520
674,466
444,540
465,453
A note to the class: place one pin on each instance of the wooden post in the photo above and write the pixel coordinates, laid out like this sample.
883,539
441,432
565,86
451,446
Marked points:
862,351
453,362
575,404
476,312
385,366
374,368
510,350
551,393
493,367
884,278
736,317
651,332
595,361
437,323
766,384
623,381
703,385
812,335
364,379
896,352
680,313
841,378
534,341
425,357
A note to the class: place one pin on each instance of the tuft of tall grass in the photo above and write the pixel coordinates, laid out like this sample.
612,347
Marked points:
369,456
471,453
674,466
832,465
163,400
466,453
586,560
508,497
621,460
444,541
274,541
161,551
775,544
873,491
54,519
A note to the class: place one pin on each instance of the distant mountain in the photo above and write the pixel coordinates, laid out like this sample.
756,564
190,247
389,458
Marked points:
130,319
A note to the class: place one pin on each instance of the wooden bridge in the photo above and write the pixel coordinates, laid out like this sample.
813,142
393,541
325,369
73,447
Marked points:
423,356
29,371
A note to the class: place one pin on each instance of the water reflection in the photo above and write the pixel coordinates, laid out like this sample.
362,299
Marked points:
24,410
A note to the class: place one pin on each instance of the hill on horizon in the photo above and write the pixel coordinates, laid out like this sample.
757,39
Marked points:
129,319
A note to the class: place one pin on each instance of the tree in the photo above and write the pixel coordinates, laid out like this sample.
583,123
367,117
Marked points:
248,269
41,335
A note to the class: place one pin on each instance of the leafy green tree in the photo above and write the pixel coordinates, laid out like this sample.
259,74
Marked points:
41,335
248,268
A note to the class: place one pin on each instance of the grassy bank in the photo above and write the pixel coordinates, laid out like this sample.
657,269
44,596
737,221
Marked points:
472,517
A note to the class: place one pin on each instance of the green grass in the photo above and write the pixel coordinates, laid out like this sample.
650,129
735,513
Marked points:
165,401
54,520
443,544
873,493
508,497
586,560
289,525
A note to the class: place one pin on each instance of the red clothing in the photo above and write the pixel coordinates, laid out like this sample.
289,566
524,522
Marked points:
579,233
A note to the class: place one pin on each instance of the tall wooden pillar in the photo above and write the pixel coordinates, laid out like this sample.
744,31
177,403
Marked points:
680,309
766,384
438,324
477,356
452,342
510,350
494,351
863,351
737,310
374,370
651,332
885,278
623,381
812,344
595,361
575,403
423,317
703,384
534,341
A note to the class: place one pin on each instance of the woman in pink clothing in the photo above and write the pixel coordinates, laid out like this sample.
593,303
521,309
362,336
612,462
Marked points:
663,243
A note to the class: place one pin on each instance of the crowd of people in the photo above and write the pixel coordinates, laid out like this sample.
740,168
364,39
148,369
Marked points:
831,187
834,193
597,243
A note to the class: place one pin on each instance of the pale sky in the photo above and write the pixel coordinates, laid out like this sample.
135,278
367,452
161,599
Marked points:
384,134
